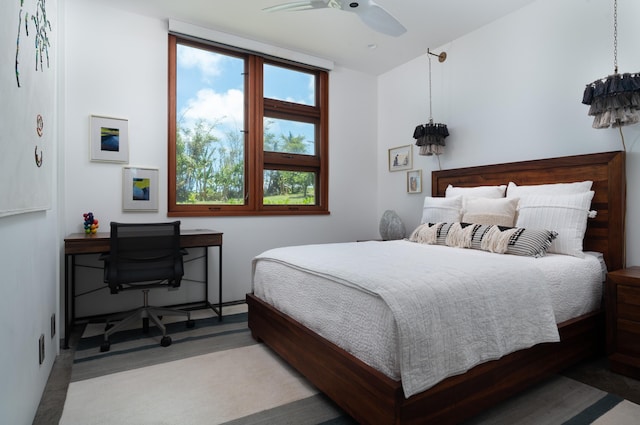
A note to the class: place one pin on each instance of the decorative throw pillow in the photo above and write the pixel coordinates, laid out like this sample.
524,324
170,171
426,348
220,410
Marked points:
516,240
426,233
513,240
476,191
440,210
443,233
497,239
490,211
431,233
486,237
515,191
479,234
530,242
565,214
460,235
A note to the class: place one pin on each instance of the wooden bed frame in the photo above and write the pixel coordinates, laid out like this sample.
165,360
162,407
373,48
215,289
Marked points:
371,397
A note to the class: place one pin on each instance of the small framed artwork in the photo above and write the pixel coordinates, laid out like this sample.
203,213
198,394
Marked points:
109,139
414,181
400,158
139,189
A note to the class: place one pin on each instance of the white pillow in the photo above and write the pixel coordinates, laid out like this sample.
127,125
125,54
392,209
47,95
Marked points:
565,214
477,191
501,212
438,210
515,191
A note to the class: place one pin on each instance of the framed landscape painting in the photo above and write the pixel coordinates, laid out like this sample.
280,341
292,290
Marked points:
109,139
139,189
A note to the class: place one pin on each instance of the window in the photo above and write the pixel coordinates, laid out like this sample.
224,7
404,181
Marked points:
247,134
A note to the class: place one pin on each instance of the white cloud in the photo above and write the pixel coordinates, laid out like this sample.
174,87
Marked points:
226,109
208,63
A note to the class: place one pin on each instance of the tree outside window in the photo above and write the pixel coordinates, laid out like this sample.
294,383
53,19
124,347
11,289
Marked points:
247,135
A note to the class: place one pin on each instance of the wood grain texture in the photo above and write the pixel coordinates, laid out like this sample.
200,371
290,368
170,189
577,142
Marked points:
623,321
371,397
605,232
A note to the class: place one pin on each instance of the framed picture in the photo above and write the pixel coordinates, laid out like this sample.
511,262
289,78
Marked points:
400,158
139,189
414,181
109,139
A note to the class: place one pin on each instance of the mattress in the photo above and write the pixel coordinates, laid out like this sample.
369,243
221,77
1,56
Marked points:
361,322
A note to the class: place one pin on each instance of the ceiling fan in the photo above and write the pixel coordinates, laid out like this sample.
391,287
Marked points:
369,12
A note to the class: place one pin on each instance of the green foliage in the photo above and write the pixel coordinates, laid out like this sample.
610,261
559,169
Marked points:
296,199
210,169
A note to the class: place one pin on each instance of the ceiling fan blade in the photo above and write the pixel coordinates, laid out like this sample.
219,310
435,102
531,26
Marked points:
298,5
380,20
369,12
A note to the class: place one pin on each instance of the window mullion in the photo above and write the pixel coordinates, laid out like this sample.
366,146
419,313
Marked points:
322,90
256,112
171,198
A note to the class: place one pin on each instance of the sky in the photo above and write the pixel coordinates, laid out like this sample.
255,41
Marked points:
210,85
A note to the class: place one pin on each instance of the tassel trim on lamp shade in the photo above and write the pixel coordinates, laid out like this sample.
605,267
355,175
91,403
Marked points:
615,100
430,138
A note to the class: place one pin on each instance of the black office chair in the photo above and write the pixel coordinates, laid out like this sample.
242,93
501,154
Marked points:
144,256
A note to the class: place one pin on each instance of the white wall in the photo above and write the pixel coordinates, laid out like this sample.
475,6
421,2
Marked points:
30,248
512,91
29,264
121,71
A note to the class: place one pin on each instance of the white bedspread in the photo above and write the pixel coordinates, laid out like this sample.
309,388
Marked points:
450,315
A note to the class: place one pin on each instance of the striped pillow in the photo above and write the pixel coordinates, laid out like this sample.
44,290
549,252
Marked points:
440,210
530,242
566,214
486,237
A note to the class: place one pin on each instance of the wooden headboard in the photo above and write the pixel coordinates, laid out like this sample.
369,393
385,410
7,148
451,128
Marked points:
605,232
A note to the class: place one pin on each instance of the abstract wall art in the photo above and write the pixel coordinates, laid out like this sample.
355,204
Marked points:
28,93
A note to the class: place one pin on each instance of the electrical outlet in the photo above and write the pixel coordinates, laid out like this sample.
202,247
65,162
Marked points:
41,349
53,325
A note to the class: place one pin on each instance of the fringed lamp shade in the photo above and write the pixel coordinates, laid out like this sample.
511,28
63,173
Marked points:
430,137
615,100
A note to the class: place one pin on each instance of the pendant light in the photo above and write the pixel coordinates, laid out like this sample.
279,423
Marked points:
430,137
614,100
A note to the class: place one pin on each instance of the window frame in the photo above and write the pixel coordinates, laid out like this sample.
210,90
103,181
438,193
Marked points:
256,159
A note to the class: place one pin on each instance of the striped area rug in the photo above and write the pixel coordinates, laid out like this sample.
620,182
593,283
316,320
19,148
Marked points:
217,374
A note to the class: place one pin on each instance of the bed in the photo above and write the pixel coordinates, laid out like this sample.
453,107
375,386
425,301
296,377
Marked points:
371,396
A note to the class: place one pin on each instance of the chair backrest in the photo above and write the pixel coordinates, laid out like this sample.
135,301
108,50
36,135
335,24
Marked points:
144,252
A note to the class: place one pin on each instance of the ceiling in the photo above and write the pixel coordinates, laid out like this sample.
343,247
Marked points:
333,34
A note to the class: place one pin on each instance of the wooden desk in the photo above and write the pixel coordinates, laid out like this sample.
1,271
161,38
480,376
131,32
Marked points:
81,244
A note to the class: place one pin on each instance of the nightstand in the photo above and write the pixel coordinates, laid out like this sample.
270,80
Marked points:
623,321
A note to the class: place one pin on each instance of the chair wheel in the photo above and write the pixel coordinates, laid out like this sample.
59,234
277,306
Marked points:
105,346
191,323
165,341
